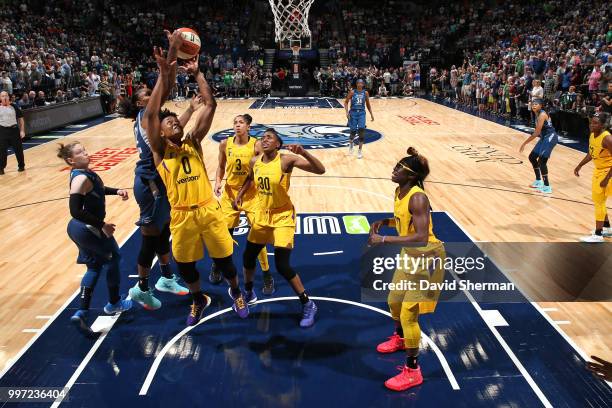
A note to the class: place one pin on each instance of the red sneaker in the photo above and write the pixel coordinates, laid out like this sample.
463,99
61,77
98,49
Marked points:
408,378
395,343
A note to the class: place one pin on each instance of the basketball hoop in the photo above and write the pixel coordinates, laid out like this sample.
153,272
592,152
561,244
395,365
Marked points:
291,21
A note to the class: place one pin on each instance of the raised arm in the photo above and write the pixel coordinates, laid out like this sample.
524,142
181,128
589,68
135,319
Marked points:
194,104
151,115
204,120
175,40
303,160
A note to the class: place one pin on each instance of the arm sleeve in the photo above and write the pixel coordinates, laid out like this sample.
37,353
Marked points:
110,191
78,213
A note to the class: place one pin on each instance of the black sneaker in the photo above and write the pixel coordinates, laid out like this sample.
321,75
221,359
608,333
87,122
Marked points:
1,172
20,168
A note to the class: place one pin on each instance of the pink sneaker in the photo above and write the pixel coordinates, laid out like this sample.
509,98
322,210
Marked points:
407,378
395,343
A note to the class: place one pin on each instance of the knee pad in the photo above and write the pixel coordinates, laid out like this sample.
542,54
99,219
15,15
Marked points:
226,266
188,271
250,254
361,135
281,258
147,250
162,246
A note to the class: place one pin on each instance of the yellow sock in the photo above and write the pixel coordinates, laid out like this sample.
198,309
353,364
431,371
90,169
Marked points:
263,259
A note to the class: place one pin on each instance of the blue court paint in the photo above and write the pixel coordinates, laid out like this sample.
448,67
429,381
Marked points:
309,135
296,103
266,360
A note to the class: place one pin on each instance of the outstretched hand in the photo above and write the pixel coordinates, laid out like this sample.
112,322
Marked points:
160,57
195,102
296,149
175,38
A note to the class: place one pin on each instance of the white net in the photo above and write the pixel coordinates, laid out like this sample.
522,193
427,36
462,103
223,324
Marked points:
290,19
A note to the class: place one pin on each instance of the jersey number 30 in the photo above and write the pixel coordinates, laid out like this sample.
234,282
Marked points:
264,183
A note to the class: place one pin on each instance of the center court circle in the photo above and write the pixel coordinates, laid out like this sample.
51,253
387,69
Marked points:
309,135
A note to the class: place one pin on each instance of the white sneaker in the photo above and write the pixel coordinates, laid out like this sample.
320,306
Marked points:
351,149
592,239
605,232
359,155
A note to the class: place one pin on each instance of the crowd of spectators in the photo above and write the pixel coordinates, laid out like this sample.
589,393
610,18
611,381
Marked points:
336,81
510,60
57,50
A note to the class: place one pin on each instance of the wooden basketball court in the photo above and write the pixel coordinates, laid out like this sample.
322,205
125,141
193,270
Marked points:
477,176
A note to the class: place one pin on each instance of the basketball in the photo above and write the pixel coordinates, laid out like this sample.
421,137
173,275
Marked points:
191,45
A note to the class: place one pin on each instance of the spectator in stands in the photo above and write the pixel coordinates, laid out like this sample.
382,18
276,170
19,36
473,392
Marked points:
382,89
40,99
105,94
606,101
24,102
12,130
7,84
93,81
594,78
60,97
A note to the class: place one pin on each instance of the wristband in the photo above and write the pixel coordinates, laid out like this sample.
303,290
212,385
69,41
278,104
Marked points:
110,191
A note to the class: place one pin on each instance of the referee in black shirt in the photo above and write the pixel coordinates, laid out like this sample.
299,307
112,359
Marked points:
10,133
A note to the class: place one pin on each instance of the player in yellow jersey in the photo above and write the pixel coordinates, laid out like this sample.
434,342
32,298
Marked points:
275,215
235,154
412,220
600,151
195,217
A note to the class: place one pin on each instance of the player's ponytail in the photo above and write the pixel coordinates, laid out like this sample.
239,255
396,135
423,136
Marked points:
64,151
417,165
247,118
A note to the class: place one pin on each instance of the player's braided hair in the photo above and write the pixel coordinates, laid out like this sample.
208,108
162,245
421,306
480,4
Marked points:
164,113
418,165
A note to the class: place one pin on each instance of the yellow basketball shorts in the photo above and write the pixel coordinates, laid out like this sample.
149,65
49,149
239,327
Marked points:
600,195
231,216
193,229
276,228
428,266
